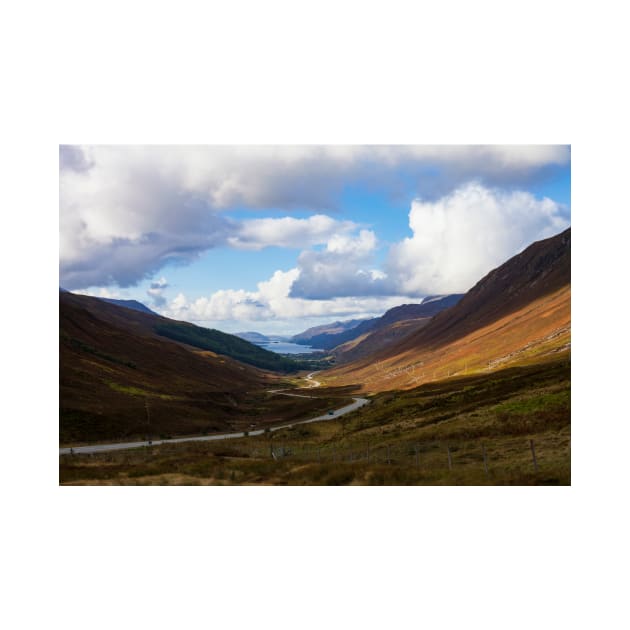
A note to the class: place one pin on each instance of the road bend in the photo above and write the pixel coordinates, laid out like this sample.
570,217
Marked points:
331,415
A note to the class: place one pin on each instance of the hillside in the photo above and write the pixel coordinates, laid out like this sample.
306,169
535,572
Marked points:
376,340
120,379
393,326
132,304
140,321
518,313
116,383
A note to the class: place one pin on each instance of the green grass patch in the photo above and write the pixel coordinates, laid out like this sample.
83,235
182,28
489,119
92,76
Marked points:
136,391
536,404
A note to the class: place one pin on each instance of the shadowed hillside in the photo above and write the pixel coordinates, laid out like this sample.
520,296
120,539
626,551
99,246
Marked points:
120,379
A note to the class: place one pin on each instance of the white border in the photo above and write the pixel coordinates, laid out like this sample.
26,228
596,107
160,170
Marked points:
289,72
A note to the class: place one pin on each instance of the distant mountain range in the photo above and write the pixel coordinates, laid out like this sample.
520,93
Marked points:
334,335
326,330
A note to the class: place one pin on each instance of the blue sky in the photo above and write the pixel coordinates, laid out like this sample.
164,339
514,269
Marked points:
277,239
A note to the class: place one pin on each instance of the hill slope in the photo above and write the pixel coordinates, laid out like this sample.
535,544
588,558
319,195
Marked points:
116,382
120,379
132,304
137,321
518,313
393,326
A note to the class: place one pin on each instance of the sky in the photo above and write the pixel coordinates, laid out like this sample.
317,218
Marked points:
277,239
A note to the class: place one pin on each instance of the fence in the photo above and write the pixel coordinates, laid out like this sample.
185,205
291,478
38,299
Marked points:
447,455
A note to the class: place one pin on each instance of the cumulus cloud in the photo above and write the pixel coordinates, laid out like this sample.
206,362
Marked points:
462,236
127,211
343,268
455,241
272,301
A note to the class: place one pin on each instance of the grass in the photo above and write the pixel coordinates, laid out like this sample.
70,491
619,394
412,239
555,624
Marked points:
136,391
406,434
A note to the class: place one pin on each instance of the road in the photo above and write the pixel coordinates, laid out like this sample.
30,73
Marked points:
332,415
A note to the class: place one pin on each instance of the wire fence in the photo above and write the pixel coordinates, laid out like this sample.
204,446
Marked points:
482,454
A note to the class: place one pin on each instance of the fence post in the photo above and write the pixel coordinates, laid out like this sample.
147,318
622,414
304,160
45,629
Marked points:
531,446
417,457
485,459
319,455
368,452
389,461
450,461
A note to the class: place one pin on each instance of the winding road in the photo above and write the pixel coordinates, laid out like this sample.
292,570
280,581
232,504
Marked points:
331,415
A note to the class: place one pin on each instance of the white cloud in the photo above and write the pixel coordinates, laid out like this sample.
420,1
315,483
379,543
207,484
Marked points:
104,292
462,236
343,268
357,247
127,211
272,304
288,232
455,241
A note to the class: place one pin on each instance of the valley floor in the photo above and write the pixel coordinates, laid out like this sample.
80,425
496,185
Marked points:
484,429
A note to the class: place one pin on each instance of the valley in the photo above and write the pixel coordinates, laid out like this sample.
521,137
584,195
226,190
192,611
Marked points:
471,389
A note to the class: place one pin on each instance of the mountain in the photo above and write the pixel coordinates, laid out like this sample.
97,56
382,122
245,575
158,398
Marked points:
429,307
138,321
376,339
132,304
320,332
127,374
519,313
119,379
395,324
330,340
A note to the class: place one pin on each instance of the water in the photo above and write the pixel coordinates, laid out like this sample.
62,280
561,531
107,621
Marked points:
286,347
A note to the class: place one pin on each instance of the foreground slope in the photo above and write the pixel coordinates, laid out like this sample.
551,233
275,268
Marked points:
519,313
469,430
